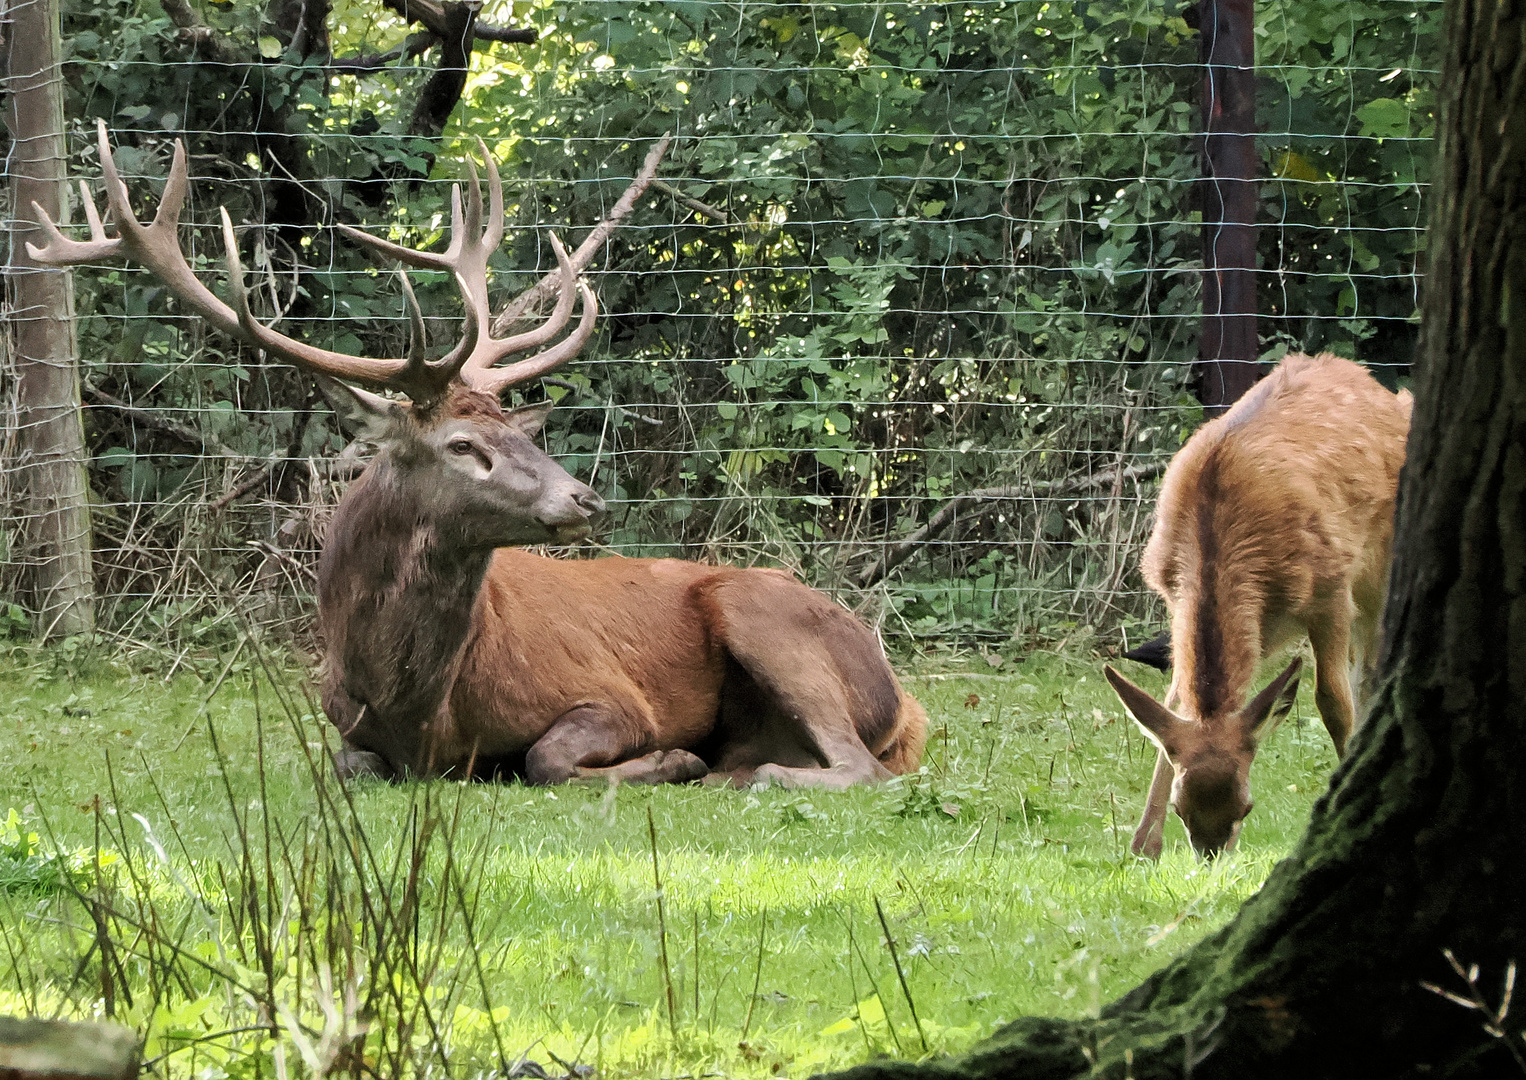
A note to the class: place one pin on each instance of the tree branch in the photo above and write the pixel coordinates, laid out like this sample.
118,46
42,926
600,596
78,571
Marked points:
435,15
201,37
532,298
414,45
693,204
183,433
506,34
897,553
440,93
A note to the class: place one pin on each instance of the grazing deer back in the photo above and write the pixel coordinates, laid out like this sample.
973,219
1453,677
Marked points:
1274,522
1270,514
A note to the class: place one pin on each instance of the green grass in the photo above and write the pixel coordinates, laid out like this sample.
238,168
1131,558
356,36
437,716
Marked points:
223,893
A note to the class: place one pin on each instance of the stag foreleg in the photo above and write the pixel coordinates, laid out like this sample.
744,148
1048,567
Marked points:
350,763
593,742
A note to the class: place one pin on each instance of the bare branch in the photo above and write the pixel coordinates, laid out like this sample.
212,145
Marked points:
183,433
693,204
531,299
897,553
413,46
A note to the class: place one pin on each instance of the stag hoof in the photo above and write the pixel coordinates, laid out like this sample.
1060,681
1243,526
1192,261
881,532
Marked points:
349,764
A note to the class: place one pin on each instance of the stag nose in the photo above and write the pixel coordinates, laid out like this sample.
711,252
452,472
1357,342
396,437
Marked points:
590,502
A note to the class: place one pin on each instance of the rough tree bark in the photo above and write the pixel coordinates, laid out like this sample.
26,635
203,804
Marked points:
1227,344
1420,843
49,468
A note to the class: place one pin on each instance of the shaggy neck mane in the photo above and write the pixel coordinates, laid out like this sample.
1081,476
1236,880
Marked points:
395,609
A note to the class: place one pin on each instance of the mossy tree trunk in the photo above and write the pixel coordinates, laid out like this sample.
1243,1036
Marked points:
1420,844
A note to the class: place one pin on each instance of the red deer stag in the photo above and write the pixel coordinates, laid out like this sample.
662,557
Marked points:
449,652
1274,524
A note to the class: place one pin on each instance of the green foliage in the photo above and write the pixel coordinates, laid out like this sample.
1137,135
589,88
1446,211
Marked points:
959,251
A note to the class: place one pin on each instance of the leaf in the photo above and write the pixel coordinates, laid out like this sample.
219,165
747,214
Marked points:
1384,118
270,47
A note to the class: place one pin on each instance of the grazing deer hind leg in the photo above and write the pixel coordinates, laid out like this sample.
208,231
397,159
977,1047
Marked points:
1150,836
599,742
1331,639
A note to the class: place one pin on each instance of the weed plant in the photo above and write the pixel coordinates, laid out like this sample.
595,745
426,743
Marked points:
176,856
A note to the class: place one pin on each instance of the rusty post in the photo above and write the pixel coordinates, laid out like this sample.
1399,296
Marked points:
1227,347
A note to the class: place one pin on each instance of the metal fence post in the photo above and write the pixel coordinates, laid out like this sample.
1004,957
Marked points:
49,467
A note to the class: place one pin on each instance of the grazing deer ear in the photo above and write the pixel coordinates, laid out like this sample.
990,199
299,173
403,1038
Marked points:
363,415
1268,708
1160,724
529,419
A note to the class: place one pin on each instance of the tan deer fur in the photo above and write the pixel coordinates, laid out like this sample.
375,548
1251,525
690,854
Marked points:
1274,524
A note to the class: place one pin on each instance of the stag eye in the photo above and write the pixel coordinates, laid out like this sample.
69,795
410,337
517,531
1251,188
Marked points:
460,446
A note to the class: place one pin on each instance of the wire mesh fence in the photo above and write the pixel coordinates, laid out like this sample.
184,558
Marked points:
913,310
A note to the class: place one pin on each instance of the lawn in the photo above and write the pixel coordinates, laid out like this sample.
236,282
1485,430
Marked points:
178,858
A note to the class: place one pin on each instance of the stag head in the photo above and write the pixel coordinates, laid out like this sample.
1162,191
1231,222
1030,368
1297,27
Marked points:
473,463
1210,756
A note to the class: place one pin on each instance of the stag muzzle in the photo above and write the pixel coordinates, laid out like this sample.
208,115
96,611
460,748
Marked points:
572,515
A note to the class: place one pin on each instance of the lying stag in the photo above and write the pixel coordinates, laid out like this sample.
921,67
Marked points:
1274,524
449,652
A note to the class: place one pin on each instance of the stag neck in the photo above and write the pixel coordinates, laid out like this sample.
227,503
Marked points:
395,607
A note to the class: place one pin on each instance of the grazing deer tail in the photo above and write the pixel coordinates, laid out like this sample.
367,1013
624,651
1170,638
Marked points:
903,753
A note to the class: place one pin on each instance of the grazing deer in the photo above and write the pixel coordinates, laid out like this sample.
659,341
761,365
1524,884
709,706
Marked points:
1274,524
449,652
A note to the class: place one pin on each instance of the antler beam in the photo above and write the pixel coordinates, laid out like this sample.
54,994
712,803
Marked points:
477,353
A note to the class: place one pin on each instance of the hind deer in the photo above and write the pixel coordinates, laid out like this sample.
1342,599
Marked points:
446,650
1274,524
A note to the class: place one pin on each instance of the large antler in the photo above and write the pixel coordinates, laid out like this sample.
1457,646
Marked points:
473,359
472,243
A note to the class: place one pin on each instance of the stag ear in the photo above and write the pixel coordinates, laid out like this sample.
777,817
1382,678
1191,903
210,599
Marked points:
529,419
1268,708
364,416
1160,724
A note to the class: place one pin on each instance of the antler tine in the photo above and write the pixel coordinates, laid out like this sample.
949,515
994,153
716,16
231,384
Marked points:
530,299
497,380
156,246
418,340
492,236
493,349
408,375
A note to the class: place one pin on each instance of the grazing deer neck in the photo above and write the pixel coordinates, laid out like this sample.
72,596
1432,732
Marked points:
1214,676
395,607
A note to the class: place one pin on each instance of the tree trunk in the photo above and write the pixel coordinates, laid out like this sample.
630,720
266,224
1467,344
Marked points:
1420,844
50,463
1227,345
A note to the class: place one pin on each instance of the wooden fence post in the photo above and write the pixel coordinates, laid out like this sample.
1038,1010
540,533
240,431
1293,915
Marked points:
1227,346
49,464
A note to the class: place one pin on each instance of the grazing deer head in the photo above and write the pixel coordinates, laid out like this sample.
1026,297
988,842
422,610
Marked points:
1210,756
473,464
